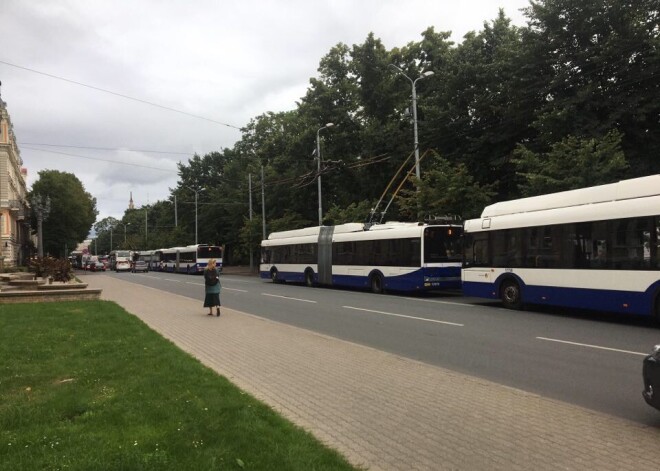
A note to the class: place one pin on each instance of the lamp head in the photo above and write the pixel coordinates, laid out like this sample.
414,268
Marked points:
329,125
428,73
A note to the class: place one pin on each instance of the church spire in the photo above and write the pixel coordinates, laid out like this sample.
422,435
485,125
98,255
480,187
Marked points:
130,202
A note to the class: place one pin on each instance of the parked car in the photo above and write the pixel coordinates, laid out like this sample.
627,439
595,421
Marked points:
140,265
93,265
651,375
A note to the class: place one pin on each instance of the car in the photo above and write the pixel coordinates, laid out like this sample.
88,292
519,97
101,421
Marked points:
95,266
122,265
651,375
140,265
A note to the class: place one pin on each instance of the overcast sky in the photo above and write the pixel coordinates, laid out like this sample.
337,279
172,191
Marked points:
224,61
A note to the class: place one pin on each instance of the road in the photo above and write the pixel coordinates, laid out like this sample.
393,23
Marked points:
589,360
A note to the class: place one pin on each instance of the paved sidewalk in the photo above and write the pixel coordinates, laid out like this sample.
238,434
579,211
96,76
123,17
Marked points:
385,412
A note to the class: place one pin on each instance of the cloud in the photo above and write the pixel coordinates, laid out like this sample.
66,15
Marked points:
225,61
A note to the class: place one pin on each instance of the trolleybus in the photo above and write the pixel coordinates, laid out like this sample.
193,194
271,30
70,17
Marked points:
593,248
402,257
191,259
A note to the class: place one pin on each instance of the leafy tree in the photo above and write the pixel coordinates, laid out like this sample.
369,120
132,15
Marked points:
597,64
103,230
72,211
354,212
570,164
446,190
483,110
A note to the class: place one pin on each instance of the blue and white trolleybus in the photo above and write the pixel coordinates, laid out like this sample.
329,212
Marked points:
592,248
403,257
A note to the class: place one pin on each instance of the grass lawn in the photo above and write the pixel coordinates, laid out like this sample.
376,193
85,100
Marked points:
87,386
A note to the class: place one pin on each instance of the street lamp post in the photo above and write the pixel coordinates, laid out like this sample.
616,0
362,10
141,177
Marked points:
42,208
196,192
414,110
127,224
318,158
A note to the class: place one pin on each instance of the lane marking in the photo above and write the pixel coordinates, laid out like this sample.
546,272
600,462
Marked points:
170,279
235,289
592,346
289,297
404,316
440,302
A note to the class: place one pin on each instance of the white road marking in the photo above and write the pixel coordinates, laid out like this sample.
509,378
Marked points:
440,302
402,315
235,289
170,279
288,297
592,346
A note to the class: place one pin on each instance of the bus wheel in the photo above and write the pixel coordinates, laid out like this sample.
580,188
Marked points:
273,275
510,294
377,283
309,278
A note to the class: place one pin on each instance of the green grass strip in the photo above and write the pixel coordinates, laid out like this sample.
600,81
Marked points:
88,386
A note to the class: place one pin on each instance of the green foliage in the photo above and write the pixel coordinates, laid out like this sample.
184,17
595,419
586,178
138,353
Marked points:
596,64
570,164
91,387
58,268
354,212
72,211
446,190
289,220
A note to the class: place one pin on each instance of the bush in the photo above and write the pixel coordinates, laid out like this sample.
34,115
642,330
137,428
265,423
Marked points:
57,268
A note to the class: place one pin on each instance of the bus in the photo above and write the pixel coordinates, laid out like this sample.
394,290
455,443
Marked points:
191,259
156,260
404,257
594,248
120,260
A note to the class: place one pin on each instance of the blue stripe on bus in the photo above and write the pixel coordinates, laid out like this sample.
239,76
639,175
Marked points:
418,280
625,302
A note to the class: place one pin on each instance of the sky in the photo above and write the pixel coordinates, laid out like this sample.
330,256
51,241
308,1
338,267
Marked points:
118,92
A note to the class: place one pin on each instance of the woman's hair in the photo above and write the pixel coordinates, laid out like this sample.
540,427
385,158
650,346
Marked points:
211,264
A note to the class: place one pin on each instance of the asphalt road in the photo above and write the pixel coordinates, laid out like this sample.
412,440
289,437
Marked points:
588,359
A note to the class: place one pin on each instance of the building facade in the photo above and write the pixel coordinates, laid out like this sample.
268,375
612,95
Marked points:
15,239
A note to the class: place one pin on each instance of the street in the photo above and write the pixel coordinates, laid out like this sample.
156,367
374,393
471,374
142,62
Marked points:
586,359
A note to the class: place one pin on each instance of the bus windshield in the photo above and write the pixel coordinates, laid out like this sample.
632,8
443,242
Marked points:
442,244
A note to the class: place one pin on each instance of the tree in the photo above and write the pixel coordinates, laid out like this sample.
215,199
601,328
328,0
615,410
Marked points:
103,230
446,190
72,211
570,164
597,64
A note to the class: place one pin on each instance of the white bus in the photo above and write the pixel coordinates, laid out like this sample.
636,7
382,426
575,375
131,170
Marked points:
593,248
401,257
120,260
191,259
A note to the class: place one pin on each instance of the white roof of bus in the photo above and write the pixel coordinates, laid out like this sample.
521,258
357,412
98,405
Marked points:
314,231
347,232
622,190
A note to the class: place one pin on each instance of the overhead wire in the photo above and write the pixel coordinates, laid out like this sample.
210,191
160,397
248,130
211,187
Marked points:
121,95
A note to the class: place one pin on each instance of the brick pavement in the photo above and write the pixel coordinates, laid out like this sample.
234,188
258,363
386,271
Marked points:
385,412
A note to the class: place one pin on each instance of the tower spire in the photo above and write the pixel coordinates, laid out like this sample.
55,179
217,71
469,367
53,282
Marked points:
130,202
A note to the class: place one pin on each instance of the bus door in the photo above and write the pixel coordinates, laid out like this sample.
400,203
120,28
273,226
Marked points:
325,255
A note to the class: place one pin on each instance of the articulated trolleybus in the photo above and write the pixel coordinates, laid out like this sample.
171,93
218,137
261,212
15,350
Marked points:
593,248
402,257
191,259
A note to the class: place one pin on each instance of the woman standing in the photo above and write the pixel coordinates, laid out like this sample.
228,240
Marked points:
212,288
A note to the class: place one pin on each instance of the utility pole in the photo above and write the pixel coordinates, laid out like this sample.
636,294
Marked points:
263,204
250,246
